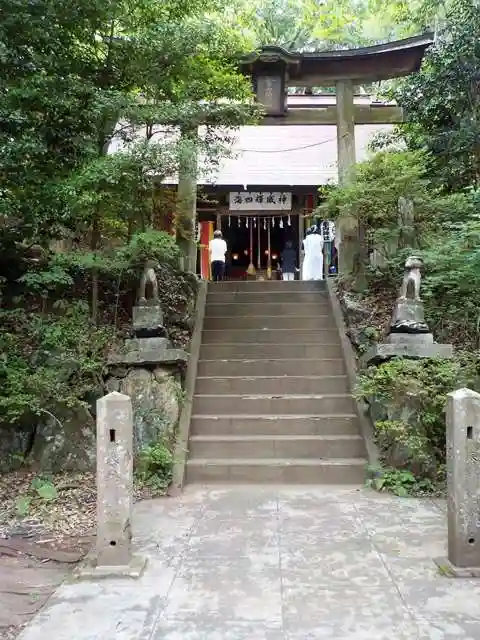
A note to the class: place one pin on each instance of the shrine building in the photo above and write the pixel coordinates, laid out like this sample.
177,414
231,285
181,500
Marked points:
264,195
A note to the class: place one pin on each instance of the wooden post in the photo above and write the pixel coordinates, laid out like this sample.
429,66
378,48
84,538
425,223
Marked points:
259,255
251,267
269,257
301,234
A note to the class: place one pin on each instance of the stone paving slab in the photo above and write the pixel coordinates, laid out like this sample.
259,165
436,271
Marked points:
254,563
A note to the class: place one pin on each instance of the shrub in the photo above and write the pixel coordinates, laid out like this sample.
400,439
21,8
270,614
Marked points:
154,466
407,403
49,360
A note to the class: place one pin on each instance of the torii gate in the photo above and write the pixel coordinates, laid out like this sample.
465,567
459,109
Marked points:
273,70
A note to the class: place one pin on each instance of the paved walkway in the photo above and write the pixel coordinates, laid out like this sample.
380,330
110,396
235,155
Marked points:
276,564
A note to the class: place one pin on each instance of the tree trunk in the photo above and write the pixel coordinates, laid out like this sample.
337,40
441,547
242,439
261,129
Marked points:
94,244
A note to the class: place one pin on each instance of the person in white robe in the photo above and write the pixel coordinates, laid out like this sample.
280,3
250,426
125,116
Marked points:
312,268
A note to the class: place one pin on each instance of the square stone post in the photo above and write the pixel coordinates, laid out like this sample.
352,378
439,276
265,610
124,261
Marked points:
114,491
463,484
347,227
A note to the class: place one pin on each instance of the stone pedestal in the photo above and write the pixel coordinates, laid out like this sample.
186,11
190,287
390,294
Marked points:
148,321
409,337
148,352
408,317
463,485
404,345
113,555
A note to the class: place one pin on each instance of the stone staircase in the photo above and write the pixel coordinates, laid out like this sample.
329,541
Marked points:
272,402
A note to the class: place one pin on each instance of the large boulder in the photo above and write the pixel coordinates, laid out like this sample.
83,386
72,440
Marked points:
14,441
66,441
156,400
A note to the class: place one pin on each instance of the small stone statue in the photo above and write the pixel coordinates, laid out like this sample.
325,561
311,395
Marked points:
408,315
411,279
148,277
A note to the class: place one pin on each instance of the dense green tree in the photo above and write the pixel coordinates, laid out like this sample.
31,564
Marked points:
71,71
442,101
328,24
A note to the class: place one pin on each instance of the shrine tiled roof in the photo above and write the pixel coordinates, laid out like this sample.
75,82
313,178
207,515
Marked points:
300,155
287,156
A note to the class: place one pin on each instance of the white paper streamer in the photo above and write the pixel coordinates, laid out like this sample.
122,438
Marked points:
238,221
289,221
280,224
229,221
264,223
246,222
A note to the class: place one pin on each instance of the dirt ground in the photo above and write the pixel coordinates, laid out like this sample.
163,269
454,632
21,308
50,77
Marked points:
41,544
28,581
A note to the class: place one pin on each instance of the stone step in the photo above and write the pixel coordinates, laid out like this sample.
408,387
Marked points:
256,297
290,446
275,425
276,471
268,336
267,285
290,385
293,367
292,323
256,309
270,405
259,351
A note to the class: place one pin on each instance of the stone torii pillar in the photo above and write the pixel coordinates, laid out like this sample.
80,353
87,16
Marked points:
187,195
347,226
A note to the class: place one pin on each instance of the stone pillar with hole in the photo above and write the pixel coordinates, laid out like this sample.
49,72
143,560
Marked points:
113,553
463,485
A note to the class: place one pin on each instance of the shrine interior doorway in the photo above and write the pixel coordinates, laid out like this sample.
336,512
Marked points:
255,242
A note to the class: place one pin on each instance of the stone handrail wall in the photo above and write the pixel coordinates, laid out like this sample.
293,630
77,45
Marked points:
183,432
366,426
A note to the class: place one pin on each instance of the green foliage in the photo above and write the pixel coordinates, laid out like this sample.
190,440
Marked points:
44,488
451,288
442,102
123,263
71,72
154,466
41,491
401,482
150,245
311,25
379,182
407,403
49,360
